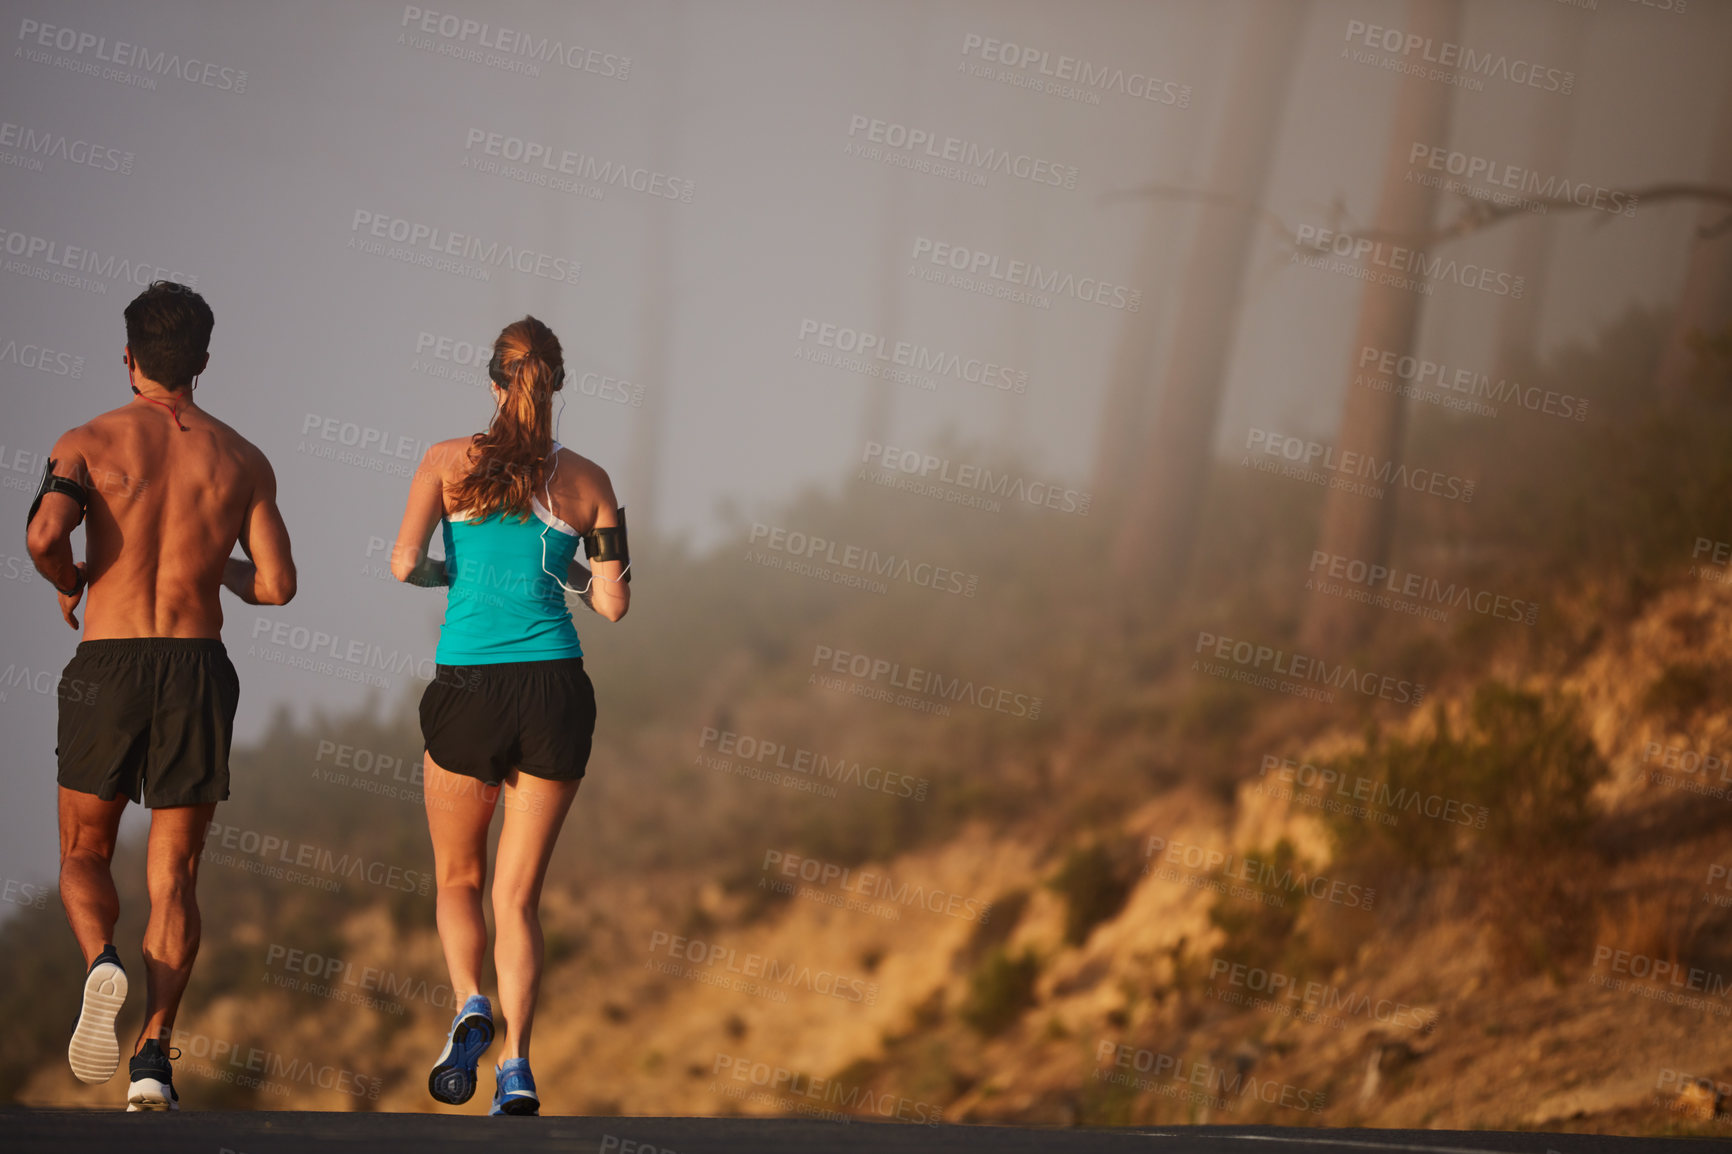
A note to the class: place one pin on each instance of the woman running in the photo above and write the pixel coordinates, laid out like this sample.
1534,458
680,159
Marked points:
509,716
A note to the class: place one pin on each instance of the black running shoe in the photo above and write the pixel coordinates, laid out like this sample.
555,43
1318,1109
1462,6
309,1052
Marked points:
94,1052
152,1080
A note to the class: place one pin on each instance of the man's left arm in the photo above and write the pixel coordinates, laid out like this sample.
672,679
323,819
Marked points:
58,509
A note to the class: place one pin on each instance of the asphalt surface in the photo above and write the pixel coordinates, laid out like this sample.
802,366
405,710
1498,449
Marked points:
274,1132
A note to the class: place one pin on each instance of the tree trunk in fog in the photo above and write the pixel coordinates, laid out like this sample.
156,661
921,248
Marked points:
655,330
655,326
1172,463
1531,255
1374,423
875,415
1125,416
1706,303
880,398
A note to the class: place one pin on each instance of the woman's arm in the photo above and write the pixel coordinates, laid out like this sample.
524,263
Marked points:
409,559
609,596
590,490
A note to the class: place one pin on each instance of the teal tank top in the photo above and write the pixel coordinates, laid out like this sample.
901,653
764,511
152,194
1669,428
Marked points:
504,603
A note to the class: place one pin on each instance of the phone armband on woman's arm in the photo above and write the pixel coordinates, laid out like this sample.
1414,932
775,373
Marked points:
66,485
609,544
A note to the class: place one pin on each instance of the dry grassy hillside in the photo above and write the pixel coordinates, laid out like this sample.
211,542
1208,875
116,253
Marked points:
1110,982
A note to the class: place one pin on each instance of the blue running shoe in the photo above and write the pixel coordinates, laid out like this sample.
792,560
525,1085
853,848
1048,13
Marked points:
516,1092
453,1077
94,1052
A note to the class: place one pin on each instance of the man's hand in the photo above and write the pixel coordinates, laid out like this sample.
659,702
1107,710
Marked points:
69,604
239,578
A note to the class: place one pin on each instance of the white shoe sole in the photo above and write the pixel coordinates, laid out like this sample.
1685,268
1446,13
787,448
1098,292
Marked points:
148,1094
94,1052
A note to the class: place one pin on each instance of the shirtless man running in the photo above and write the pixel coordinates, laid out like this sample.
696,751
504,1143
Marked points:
147,703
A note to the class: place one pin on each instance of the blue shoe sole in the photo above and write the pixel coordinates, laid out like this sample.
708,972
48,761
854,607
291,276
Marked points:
518,1107
453,1079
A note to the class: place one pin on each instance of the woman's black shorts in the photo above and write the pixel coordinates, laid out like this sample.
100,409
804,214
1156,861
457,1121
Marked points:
484,720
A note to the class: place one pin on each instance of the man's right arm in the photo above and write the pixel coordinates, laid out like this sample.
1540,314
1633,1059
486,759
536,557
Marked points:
268,578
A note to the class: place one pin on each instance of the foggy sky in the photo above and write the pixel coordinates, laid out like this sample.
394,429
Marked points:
256,193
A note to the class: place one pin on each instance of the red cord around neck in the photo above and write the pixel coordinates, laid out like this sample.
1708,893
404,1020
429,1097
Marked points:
173,410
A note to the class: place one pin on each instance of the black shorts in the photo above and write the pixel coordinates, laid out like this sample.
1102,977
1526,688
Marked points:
536,716
150,718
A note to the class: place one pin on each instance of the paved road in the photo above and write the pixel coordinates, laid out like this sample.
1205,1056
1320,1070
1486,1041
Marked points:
273,1132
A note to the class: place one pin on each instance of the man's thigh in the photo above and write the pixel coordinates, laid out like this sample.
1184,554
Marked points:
88,824
177,834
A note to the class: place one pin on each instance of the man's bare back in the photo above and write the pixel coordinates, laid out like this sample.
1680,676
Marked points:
166,508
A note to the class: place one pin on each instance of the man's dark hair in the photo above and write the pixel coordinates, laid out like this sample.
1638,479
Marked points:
168,330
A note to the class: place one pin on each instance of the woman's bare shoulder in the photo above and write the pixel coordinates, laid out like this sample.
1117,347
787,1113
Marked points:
449,455
584,481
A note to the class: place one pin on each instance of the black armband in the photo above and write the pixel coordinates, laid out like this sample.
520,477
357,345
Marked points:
609,545
53,484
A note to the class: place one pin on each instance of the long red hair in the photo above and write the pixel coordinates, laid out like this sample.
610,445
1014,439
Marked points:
509,460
